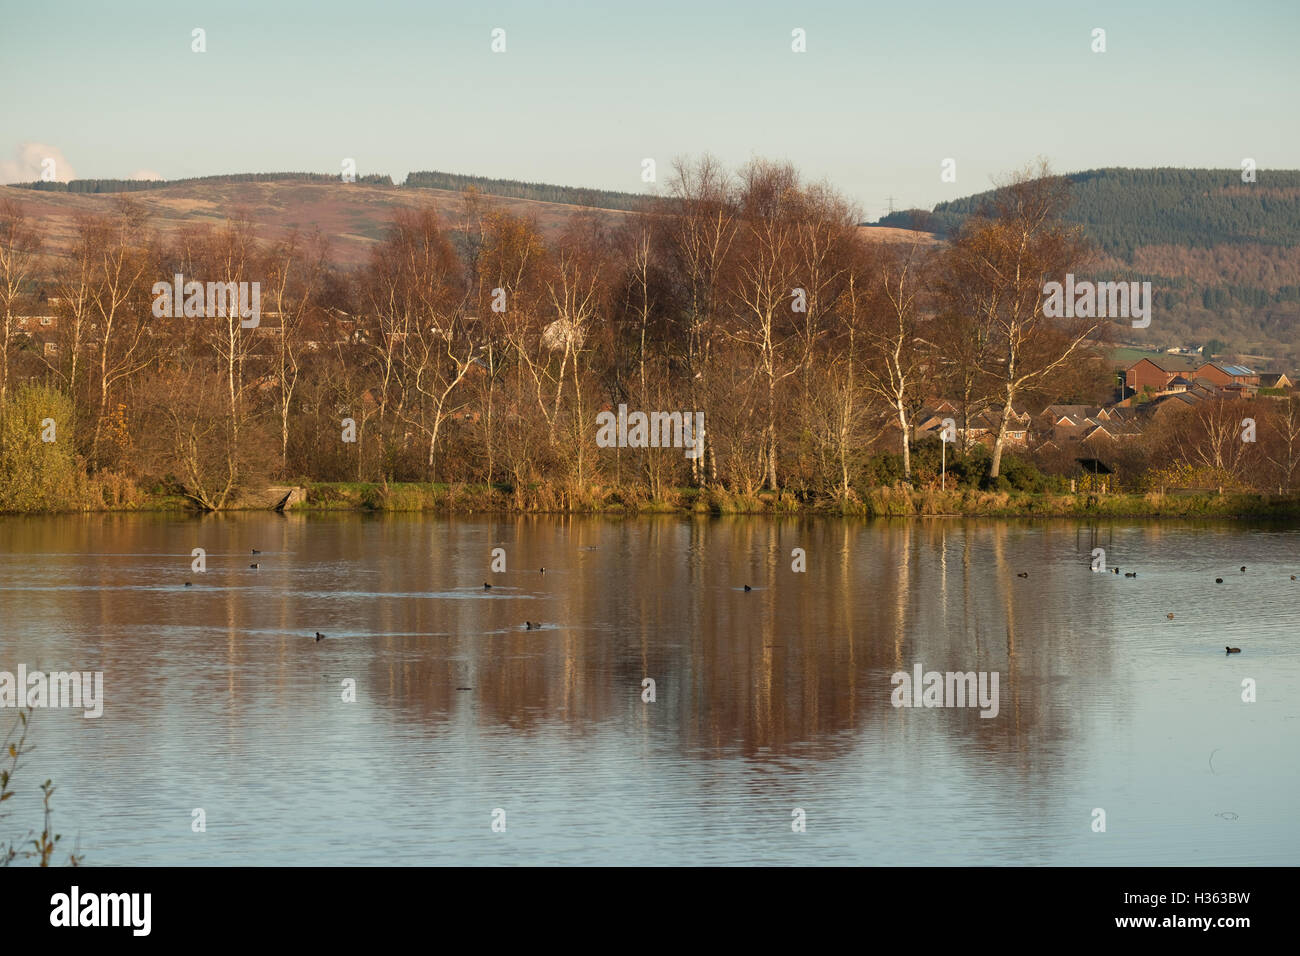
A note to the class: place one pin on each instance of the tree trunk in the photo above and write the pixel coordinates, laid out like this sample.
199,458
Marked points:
996,467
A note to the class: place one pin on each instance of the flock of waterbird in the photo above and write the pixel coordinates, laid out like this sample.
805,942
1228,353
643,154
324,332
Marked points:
536,625
528,625
1132,574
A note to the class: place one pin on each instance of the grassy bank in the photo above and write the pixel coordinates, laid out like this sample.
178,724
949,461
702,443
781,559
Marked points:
879,502
409,497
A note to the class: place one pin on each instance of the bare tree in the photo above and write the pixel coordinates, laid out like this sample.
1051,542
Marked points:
20,243
1004,256
121,309
898,349
766,287
701,230
1210,436
294,270
1284,453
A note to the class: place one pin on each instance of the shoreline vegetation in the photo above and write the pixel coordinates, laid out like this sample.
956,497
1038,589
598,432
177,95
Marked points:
885,502
474,363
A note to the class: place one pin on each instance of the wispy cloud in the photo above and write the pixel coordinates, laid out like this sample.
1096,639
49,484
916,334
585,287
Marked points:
29,161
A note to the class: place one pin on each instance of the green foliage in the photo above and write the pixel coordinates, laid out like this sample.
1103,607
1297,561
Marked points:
884,469
1023,475
36,475
1121,209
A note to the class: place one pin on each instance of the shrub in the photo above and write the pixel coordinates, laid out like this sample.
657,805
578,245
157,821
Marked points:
38,475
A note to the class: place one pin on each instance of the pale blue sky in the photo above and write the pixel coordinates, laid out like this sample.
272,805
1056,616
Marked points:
585,90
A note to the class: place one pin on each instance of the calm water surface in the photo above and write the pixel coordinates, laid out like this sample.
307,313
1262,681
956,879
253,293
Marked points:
218,697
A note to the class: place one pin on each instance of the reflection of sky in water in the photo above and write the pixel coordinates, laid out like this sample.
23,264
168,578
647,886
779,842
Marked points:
217,696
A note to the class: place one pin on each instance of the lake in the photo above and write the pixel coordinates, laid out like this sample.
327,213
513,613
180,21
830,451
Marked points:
772,737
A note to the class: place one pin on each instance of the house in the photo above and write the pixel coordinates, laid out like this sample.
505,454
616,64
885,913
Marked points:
1112,431
984,427
1153,374
983,424
1224,375
35,323
1063,423
1205,389
929,419
1162,409
1276,380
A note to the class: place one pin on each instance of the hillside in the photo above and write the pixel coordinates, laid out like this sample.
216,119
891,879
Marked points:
352,215
1223,255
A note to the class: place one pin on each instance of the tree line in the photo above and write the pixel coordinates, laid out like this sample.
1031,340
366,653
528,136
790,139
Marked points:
140,185
475,349
1224,254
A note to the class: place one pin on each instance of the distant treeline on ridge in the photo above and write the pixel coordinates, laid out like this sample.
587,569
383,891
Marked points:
137,185
509,188
1122,209
542,192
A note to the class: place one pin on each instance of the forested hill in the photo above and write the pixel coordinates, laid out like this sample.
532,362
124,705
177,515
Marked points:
1123,209
540,192
1223,256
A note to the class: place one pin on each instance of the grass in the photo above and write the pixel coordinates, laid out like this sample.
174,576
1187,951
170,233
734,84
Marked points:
545,498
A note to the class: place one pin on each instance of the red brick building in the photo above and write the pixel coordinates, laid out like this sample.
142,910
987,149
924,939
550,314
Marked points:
1154,374
1222,375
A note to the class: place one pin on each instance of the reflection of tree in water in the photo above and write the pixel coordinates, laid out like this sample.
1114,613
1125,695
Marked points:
802,664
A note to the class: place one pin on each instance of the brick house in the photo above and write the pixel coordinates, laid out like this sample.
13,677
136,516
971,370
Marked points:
1224,375
1155,374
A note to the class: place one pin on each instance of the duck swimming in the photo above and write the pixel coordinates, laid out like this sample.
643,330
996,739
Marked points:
1130,574
1218,580
320,636
533,625
1023,574
254,565
486,586
1232,650
748,588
